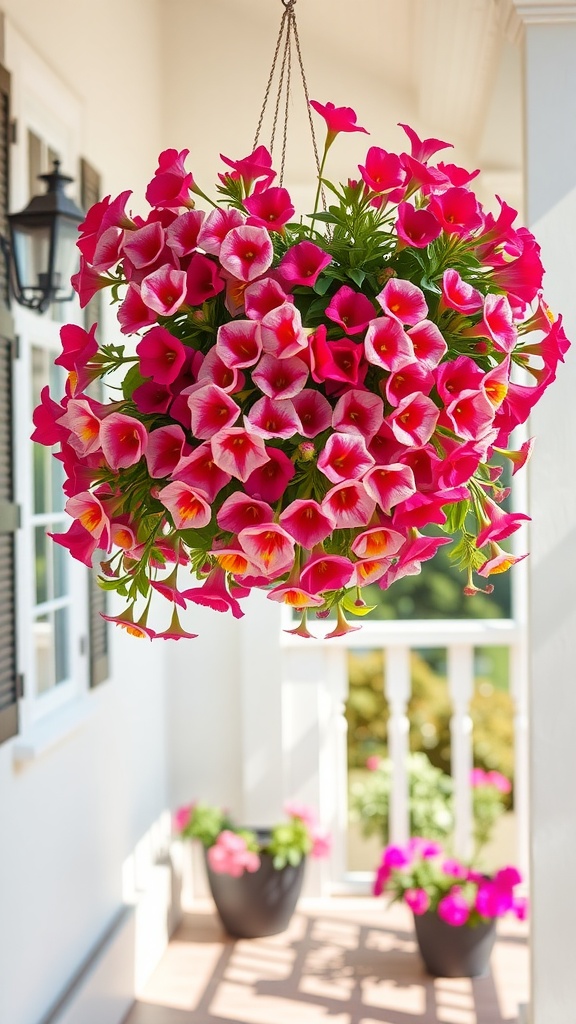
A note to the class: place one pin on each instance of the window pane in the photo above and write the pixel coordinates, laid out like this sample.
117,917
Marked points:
62,632
44,653
41,564
61,561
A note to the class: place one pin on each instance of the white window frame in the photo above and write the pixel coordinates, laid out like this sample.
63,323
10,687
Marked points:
42,103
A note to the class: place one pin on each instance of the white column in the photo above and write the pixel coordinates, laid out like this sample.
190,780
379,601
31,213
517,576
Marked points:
547,33
461,687
397,689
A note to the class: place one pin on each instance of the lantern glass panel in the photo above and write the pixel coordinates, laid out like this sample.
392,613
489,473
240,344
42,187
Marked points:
31,246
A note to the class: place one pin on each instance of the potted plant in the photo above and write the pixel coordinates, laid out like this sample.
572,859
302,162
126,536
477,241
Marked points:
255,875
455,906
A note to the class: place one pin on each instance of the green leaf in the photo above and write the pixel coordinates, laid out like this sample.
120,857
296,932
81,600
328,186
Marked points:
354,609
132,380
322,285
357,275
455,516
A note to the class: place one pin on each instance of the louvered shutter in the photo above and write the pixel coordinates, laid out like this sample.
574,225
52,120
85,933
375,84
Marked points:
8,509
90,187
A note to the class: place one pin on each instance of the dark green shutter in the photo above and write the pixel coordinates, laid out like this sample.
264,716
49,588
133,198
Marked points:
8,509
90,193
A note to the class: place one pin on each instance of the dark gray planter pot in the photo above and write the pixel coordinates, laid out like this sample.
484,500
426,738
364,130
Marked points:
258,903
450,952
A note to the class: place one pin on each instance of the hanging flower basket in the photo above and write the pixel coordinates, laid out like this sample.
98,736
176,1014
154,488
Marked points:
302,401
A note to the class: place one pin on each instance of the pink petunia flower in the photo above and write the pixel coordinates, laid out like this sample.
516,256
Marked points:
187,505
338,119
269,547
351,310
270,209
458,294
282,333
203,280
239,511
349,504
428,343
418,900
211,410
239,343
271,417
358,412
280,378
453,909
238,452
263,296
403,301
271,480
416,227
387,344
382,171
307,522
257,166
200,472
214,594
303,263
164,290
215,228
161,355
414,420
313,410
164,450
123,440
246,252
182,233
326,572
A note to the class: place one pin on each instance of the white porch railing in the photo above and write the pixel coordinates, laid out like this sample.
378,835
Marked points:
314,688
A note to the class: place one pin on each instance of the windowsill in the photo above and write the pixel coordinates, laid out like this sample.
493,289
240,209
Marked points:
49,732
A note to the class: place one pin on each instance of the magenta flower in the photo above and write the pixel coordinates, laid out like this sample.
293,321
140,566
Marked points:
282,332
335,360
358,412
338,119
238,452
403,301
280,378
200,472
164,450
423,149
270,209
453,909
80,543
161,355
458,294
271,480
78,347
388,485
45,418
188,506
270,418
326,572
83,425
203,280
377,542
428,343
246,252
211,410
182,817
239,343
452,378
214,594
344,457
349,504
263,296
307,522
269,547
416,227
86,282
382,171
471,414
303,264
412,378
313,410
215,228
387,344
239,511
414,420
499,561
454,868
89,511
373,762
257,166
458,211
164,291
144,245
321,842
213,369
498,323
350,309
418,900
501,783
368,570
171,184
123,440
182,234
133,313
230,855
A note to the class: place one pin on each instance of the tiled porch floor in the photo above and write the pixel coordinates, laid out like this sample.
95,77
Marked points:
347,961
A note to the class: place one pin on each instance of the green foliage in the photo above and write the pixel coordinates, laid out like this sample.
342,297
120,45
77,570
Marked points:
206,823
429,799
289,843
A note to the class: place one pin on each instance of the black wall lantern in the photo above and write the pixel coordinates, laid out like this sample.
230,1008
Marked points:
43,245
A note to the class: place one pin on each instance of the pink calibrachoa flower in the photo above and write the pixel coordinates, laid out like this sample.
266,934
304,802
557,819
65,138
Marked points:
203,281
313,410
144,246
89,511
387,344
403,301
344,457
307,522
139,630
270,418
262,296
458,294
358,412
83,425
270,481
182,816
270,209
428,343
171,184
188,506
335,360
377,542
416,227
45,418
423,149
182,234
349,504
239,343
338,119
280,378
164,291
246,252
215,228
214,594
498,323
303,264
282,332
471,414
133,313
369,570
230,855
161,355
351,310
414,419
257,166
499,561
326,572
211,410
200,472
213,369
123,440
457,210
412,378
168,588
238,452
239,511
269,547
373,762
164,449
293,594
382,171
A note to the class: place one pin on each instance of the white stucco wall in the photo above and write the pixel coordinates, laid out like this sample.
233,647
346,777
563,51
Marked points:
70,818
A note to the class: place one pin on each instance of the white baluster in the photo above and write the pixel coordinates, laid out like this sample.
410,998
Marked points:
461,687
519,693
397,689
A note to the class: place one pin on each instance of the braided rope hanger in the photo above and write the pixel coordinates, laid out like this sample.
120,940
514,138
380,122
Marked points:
287,37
